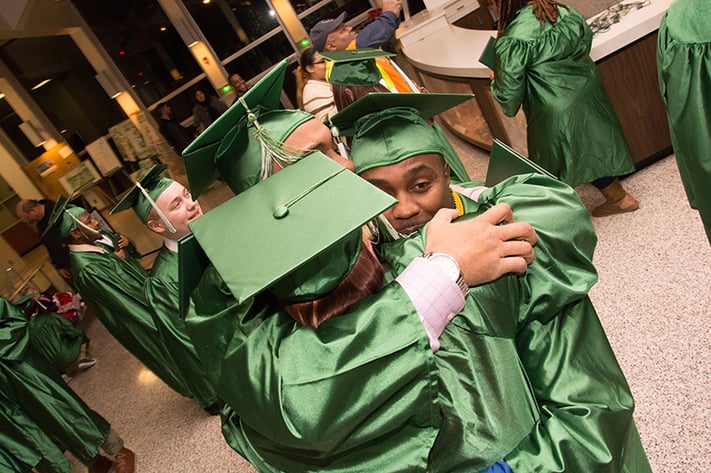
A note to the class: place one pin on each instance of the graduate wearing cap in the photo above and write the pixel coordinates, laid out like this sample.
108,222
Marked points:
166,208
254,138
113,288
355,74
280,378
41,416
522,416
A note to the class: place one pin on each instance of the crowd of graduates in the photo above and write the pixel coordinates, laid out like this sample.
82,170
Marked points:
359,304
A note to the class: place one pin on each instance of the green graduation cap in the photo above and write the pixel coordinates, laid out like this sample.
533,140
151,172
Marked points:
427,106
354,67
143,195
297,233
505,162
389,128
65,217
241,145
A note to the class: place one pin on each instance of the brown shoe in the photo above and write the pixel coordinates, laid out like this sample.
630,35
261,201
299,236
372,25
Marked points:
100,464
125,461
618,201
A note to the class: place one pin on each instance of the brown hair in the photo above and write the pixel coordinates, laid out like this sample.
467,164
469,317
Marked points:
365,279
544,10
342,98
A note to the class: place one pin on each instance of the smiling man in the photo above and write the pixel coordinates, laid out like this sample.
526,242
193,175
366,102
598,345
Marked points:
113,288
166,207
581,417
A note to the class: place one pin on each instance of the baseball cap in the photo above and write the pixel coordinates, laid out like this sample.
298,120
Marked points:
322,29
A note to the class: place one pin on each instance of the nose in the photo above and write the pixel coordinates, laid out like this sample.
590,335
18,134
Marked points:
405,208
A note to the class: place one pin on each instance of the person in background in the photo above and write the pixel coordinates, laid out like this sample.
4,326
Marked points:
332,34
173,131
39,211
166,209
113,288
542,61
38,406
684,64
314,94
238,84
206,110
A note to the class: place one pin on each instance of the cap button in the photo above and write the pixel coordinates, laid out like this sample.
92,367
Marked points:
280,212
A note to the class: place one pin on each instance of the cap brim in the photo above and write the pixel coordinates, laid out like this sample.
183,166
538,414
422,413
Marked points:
132,196
57,213
254,248
199,156
349,55
192,262
427,105
505,162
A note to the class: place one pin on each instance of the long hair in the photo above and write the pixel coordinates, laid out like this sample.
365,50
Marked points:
544,10
305,60
365,278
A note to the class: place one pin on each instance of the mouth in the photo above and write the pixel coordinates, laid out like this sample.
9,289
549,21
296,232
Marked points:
409,229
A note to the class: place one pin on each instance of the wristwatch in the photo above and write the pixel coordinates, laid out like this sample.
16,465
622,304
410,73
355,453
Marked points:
450,267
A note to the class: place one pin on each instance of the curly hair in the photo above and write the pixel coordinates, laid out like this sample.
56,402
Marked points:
544,10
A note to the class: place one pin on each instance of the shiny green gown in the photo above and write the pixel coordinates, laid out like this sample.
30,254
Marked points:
114,291
37,405
57,339
684,63
364,392
162,293
573,131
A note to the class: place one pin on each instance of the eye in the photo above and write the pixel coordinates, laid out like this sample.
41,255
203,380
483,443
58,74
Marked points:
421,186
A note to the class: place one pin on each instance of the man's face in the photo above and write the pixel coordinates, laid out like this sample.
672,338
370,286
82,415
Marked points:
314,135
81,234
340,38
238,84
421,186
179,208
35,214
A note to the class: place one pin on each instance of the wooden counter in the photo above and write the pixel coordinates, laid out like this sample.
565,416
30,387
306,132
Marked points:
446,59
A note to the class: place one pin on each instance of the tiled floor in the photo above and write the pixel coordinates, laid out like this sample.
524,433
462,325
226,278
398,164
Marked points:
654,298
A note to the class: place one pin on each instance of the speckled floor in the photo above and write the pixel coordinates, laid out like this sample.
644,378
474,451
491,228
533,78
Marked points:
654,298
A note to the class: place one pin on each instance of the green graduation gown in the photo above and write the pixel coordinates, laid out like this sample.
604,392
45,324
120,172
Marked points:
684,64
57,339
162,293
37,395
573,131
114,291
346,398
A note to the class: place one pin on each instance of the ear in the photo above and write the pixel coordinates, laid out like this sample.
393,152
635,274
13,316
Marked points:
447,171
156,226
330,45
75,235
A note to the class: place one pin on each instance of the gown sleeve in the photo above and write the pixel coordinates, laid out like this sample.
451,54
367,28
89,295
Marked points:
584,401
509,84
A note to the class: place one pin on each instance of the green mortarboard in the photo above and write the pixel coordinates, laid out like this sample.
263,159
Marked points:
505,162
353,67
65,216
427,105
240,145
153,184
298,232
388,128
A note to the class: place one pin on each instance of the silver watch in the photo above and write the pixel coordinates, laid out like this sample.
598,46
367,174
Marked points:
450,267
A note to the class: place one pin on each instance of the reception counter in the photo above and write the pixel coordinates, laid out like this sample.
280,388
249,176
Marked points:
446,55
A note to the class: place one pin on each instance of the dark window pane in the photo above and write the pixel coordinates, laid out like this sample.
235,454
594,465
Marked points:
143,43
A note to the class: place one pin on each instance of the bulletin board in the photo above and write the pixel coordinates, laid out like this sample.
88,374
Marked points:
103,157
